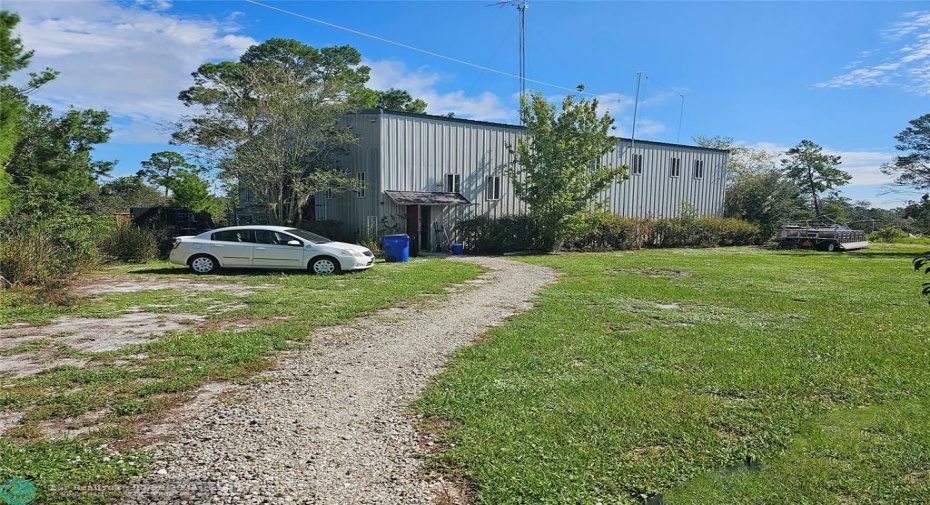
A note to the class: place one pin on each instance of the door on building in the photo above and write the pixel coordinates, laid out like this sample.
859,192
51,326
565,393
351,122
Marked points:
418,227
413,227
425,220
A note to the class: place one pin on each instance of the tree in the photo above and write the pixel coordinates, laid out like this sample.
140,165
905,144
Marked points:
270,121
768,199
743,160
813,171
51,166
157,170
912,168
394,99
13,102
123,193
757,192
191,191
558,168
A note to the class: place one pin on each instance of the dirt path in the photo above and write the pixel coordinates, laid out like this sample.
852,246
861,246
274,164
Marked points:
332,424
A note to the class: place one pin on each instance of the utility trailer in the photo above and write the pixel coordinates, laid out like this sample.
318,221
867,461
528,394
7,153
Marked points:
832,237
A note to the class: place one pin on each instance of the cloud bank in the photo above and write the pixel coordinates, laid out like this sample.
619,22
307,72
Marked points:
904,61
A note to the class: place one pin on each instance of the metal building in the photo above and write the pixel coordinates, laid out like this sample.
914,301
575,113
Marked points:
419,174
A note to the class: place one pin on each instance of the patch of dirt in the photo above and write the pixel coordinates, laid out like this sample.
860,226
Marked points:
120,284
917,477
9,419
100,335
85,334
72,426
33,362
665,273
641,453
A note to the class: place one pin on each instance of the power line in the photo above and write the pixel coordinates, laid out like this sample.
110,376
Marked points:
424,51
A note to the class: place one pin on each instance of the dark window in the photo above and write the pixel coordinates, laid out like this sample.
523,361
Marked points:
493,191
454,183
233,236
676,167
271,237
698,169
637,164
329,194
360,184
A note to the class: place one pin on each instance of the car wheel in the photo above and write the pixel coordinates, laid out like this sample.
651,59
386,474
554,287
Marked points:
203,264
324,265
830,247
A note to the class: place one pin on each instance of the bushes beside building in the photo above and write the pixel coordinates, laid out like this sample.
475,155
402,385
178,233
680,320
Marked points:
608,232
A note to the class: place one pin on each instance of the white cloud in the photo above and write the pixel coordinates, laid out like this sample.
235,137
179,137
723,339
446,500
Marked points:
128,59
423,83
905,63
864,166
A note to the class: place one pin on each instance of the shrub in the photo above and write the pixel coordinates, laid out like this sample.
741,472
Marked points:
888,234
500,235
31,258
128,242
609,232
704,232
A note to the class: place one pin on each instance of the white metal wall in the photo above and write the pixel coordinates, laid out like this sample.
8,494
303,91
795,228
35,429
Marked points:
412,152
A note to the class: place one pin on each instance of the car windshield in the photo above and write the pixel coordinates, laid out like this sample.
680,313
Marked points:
310,237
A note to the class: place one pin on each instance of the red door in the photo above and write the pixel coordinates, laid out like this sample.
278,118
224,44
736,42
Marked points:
413,228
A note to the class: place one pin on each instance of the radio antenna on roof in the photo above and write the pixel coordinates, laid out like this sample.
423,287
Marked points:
521,6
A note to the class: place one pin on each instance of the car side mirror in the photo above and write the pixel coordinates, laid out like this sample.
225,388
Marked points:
294,242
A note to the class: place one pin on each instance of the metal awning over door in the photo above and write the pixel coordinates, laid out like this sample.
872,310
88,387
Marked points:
427,197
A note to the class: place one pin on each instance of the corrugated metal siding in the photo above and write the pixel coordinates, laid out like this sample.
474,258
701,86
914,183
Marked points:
363,156
414,153
418,153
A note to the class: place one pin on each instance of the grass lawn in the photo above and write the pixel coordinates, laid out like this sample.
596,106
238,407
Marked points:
119,391
663,372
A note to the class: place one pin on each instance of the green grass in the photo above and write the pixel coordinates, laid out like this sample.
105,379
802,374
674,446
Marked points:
117,391
663,371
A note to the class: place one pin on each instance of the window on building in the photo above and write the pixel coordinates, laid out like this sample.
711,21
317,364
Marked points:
698,169
637,164
454,183
493,191
676,167
329,194
360,184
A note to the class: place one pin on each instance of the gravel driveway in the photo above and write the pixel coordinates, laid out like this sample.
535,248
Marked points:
331,425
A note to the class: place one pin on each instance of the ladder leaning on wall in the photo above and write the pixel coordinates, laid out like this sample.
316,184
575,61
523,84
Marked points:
443,244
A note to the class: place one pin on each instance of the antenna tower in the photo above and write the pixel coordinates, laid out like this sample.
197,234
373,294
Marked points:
521,6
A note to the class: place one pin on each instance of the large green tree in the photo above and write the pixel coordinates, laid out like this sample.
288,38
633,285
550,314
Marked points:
270,121
394,99
161,167
814,172
757,191
51,166
558,169
47,167
913,167
13,101
123,193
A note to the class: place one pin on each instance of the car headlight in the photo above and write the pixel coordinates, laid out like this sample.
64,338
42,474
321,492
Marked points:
356,254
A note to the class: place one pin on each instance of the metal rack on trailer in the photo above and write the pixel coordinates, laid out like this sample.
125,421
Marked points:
823,237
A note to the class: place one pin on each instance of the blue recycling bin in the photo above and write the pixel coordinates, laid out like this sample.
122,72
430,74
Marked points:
457,249
396,248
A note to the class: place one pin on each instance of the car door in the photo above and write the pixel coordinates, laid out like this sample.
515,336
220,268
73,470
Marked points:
272,250
233,247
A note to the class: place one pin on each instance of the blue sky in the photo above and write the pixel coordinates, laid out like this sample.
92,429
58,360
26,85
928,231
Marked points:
846,75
